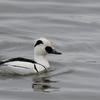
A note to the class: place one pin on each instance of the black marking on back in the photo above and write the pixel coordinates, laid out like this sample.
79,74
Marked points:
36,68
17,59
38,42
1,62
48,49
24,60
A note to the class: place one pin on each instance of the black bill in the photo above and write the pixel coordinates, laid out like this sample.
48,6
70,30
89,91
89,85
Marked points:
55,52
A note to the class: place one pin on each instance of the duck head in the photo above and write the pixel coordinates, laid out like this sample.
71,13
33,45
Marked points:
44,46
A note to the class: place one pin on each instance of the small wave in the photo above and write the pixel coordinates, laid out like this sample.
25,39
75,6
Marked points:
56,72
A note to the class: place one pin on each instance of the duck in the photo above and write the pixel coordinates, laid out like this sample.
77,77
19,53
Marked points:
24,66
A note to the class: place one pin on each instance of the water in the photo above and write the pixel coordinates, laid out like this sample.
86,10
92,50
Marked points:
74,27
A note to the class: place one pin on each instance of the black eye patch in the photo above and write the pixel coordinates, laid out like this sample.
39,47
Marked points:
38,42
48,49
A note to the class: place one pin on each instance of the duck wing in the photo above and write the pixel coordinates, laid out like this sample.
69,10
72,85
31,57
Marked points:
17,59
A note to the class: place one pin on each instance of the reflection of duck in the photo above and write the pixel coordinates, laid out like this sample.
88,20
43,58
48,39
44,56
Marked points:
23,66
41,87
41,84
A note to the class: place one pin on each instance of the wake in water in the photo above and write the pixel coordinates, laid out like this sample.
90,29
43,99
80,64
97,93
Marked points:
60,71
57,71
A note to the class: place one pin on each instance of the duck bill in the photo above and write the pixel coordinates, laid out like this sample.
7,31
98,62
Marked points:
55,52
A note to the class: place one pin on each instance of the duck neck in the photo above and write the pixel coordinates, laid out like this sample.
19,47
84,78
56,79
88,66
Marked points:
41,59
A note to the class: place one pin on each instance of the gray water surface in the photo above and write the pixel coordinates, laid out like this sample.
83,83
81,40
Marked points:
74,28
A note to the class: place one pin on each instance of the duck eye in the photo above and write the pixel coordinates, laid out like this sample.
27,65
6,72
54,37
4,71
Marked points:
48,49
38,42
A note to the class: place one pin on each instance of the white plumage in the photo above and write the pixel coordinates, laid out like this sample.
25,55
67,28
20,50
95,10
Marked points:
24,66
